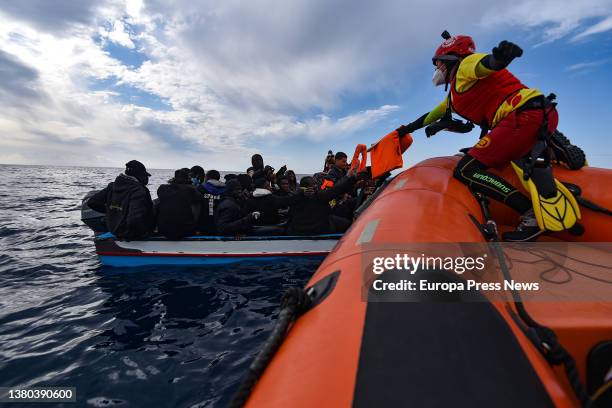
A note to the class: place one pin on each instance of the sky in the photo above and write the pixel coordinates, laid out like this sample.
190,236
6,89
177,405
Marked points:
178,83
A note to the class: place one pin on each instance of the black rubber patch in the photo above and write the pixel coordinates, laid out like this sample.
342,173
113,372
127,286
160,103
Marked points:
322,288
441,354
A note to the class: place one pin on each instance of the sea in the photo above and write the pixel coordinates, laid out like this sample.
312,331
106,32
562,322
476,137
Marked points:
134,337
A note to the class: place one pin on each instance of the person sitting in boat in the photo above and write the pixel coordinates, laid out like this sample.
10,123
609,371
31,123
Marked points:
268,204
231,217
127,203
283,187
313,215
246,182
211,192
257,167
483,91
292,178
338,168
197,175
329,161
229,177
284,190
179,206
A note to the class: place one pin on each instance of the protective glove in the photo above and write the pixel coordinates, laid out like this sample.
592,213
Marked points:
505,52
411,127
255,215
405,129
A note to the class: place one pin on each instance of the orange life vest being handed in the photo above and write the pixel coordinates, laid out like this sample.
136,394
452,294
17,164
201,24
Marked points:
386,154
480,102
360,150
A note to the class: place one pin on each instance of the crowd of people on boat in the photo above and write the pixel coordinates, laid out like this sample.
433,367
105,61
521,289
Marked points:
261,200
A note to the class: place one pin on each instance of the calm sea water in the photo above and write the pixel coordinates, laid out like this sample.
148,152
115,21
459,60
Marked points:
147,337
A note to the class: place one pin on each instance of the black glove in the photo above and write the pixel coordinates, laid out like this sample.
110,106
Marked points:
404,130
411,127
505,52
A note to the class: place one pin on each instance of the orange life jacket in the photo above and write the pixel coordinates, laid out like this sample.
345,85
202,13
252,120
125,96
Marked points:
360,150
386,154
327,184
480,102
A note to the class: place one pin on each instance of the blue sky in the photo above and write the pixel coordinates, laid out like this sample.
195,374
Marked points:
176,83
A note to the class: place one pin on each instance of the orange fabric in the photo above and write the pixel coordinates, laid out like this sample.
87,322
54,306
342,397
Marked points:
386,154
405,142
360,150
327,184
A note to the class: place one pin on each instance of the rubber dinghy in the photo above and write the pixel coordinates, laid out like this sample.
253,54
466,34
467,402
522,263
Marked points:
344,351
210,250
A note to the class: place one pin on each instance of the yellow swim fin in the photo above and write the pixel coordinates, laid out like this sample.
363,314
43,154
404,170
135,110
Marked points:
554,206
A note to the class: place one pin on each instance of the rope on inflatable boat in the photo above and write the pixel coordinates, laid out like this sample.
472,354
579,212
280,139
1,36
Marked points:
294,303
544,338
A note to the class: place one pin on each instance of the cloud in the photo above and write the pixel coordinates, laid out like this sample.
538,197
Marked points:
581,66
171,80
20,81
118,33
52,16
556,19
602,26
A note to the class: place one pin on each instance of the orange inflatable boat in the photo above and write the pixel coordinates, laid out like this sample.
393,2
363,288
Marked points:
347,351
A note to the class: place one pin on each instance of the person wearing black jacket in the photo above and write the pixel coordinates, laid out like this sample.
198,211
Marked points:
211,192
127,203
268,204
313,215
230,217
179,206
338,169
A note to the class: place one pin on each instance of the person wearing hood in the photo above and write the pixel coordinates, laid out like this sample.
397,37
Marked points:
314,214
179,206
268,204
211,192
231,217
127,203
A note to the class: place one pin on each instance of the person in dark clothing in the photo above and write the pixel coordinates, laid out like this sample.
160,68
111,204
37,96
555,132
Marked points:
268,204
179,207
329,161
338,169
314,215
196,175
230,216
274,177
283,187
229,177
127,203
211,192
246,182
283,191
292,180
257,167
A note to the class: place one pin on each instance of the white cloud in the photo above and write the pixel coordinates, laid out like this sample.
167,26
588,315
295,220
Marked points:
119,34
557,18
585,65
602,26
236,74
